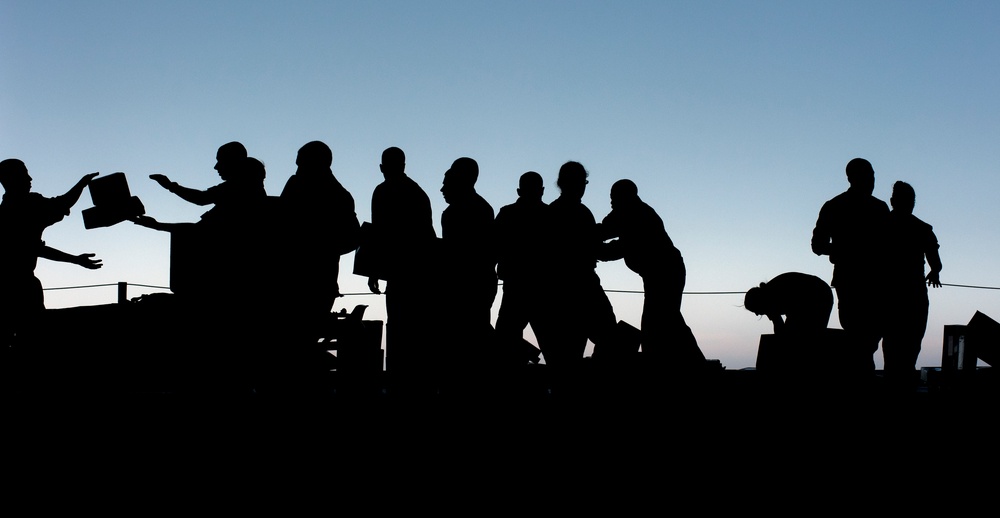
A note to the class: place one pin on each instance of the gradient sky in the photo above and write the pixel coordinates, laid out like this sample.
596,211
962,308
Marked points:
735,119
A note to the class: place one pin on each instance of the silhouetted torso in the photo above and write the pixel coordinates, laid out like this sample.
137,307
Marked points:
23,219
401,215
468,237
851,230
910,240
642,240
322,226
522,230
574,241
805,300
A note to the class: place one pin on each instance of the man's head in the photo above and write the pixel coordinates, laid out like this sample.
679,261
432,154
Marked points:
314,156
253,169
229,158
624,193
861,175
530,186
460,179
903,197
14,176
393,161
572,181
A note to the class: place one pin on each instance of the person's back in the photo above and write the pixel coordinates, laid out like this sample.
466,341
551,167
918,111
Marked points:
467,233
850,227
911,245
404,224
645,244
320,225
805,300
522,234
402,242
911,242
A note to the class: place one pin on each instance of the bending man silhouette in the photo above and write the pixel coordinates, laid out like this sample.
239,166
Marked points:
648,251
403,239
24,216
805,301
911,241
522,237
851,230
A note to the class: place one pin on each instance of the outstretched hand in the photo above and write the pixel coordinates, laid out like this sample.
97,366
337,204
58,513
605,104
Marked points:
88,261
161,179
88,177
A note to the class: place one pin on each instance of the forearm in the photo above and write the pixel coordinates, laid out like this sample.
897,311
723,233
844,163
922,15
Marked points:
189,195
52,254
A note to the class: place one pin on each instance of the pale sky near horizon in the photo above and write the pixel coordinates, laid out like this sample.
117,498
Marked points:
735,119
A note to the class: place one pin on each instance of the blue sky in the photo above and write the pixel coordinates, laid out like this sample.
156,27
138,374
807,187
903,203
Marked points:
735,119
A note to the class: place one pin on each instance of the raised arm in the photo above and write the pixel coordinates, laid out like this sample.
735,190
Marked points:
187,194
72,195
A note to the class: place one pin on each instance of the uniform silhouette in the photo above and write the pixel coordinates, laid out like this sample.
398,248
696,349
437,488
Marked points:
640,238
469,262
851,230
522,236
579,307
403,243
321,225
911,243
24,216
798,304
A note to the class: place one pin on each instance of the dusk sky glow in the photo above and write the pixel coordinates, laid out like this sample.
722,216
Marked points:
735,120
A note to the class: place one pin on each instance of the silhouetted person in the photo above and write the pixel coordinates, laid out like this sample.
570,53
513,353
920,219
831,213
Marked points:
798,304
234,187
580,308
648,251
469,261
404,241
851,230
224,273
322,226
911,242
24,216
522,236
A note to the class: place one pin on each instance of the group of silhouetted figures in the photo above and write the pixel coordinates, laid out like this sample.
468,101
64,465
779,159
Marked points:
260,272
878,260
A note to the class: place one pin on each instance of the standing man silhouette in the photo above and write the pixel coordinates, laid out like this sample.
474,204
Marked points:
404,243
469,262
851,230
911,242
323,225
580,308
522,251
24,216
643,242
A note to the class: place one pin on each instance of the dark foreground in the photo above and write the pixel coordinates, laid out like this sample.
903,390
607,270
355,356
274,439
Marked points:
139,416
